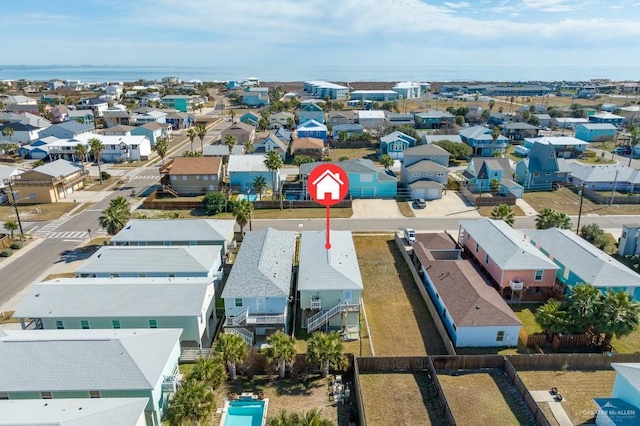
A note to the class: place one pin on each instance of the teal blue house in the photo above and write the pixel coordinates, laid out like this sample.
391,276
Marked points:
596,132
182,103
479,138
244,169
311,111
394,144
541,169
250,118
481,170
365,180
581,262
152,131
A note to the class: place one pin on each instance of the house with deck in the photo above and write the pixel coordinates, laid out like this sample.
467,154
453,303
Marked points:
568,122
481,170
258,293
479,138
342,117
365,180
190,176
312,147
271,143
311,111
472,312
579,261
59,364
518,131
605,177
542,169
500,119
281,119
607,118
66,130
312,129
565,146
123,303
243,170
374,120
250,118
329,283
50,182
255,96
153,131
514,265
395,144
81,116
342,132
96,105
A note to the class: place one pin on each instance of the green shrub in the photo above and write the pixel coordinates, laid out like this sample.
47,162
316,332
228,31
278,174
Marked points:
16,245
105,175
6,253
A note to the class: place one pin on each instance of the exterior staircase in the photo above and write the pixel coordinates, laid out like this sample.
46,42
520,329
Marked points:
322,317
246,335
168,190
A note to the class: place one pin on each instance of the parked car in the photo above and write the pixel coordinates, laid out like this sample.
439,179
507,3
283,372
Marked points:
410,235
623,150
419,203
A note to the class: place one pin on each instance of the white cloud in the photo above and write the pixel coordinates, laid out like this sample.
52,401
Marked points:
461,5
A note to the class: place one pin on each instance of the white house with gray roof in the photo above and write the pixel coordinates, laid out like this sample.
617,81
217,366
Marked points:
53,364
160,261
74,412
119,303
258,291
507,257
579,262
605,177
329,281
176,232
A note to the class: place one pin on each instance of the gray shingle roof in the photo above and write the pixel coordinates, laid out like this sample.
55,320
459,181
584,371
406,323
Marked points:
150,259
333,269
604,173
59,168
361,165
247,163
425,184
506,246
215,150
175,230
429,139
72,411
427,149
630,371
426,166
81,297
84,360
263,267
592,265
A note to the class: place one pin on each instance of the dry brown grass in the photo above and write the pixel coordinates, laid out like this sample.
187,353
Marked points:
478,399
405,209
6,317
399,399
486,211
311,213
59,275
578,387
568,202
97,186
30,212
400,322
353,153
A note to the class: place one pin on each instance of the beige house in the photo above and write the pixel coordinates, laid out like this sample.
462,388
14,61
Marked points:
313,147
242,132
193,175
50,183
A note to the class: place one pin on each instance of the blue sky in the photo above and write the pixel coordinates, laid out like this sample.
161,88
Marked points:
213,33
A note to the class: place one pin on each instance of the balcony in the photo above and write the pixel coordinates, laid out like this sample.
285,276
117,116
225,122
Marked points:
169,384
245,318
316,303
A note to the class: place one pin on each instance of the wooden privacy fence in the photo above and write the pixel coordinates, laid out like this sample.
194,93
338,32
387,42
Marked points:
532,340
524,393
585,340
573,361
486,198
600,198
358,392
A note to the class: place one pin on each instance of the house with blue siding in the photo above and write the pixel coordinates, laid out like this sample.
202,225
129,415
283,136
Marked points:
499,119
581,262
365,180
605,177
250,118
243,170
58,364
347,130
153,131
312,129
481,170
433,119
311,111
479,138
541,169
394,144
565,146
626,388
606,118
472,311
257,294
596,132
255,96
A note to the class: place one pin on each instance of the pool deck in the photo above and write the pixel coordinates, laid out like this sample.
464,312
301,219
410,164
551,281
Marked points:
244,397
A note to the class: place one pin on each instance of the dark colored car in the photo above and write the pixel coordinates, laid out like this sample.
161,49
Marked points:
419,203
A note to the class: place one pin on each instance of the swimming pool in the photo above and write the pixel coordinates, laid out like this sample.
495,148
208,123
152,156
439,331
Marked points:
250,197
245,412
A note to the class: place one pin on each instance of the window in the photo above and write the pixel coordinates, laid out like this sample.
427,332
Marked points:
205,177
171,275
197,177
4,396
477,247
134,146
415,174
142,275
115,324
624,234
486,259
46,395
59,325
115,275
94,394
174,177
84,324
538,275
184,177
548,174
536,174
153,323
238,303
440,174
500,336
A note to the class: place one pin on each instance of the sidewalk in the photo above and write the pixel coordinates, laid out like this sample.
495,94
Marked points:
526,208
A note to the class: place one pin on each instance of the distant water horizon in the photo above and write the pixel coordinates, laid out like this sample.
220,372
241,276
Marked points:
341,73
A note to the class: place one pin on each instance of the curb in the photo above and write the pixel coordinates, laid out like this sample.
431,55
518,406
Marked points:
22,251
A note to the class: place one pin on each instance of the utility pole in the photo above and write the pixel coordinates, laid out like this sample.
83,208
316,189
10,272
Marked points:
14,199
580,211
613,190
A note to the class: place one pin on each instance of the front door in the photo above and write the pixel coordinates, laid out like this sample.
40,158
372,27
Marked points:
261,305
346,295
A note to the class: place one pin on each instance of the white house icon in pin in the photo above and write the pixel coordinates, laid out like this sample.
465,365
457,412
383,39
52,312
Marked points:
328,183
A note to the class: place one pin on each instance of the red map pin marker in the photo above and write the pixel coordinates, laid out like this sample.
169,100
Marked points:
328,184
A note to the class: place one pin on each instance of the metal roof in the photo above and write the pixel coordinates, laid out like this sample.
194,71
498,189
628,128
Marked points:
630,371
59,168
556,140
604,173
84,360
175,230
358,166
247,163
328,269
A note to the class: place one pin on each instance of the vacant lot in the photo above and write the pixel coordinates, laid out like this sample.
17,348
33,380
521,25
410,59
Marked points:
36,212
486,211
400,399
399,320
578,387
311,213
568,202
484,399
353,153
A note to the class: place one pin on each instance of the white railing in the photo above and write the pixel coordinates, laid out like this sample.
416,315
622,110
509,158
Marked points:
246,335
241,317
316,303
266,319
322,317
169,383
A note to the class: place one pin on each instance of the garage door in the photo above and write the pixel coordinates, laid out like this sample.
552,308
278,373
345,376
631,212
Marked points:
418,193
432,194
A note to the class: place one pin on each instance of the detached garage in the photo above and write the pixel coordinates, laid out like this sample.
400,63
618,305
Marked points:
426,189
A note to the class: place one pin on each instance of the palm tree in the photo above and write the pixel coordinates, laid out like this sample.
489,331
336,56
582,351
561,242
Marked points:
8,132
242,212
80,151
291,122
201,129
232,349
494,185
161,147
552,317
230,141
281,351
210,371
585,306
495,134
192,134
503,212
96,147
300,160
11,226
116,216
273,163
260,185
192,403
325,349
286,418
386,161
249,146
620,316
492,103
550,218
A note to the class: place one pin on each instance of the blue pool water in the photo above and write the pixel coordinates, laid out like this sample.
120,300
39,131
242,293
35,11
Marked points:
250,197
245,413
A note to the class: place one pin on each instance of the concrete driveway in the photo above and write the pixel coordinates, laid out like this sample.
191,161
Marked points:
450,205
375,209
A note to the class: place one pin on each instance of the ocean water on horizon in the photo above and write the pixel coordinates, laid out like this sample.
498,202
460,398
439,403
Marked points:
346,73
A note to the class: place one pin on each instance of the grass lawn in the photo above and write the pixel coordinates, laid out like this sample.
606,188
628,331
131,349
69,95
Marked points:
96,186
353,153
578,387
400,322
568,202
486,211
405,208
131,164
526,314
596,160
311,213
39,212
400,399
629,344
484,399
